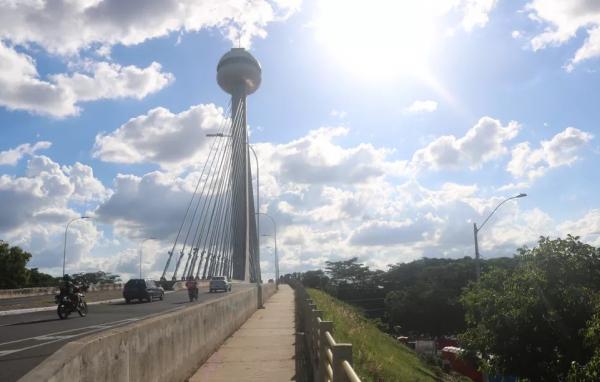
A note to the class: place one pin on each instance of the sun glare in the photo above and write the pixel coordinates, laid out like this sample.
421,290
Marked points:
378,38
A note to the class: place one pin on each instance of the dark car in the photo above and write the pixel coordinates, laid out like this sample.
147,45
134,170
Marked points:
142,290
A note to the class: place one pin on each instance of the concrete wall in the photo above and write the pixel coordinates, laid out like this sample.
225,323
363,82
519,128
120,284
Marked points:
27,292
168,347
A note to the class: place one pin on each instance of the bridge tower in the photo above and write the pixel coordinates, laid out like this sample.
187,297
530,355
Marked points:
239,74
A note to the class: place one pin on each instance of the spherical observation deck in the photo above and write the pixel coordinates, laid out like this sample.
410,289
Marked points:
238,72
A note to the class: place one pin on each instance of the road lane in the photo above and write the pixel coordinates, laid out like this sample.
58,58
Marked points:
27,339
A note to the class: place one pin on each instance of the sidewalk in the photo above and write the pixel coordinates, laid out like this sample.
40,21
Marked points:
261,350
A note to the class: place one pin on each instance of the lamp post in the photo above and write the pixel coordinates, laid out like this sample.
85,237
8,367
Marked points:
275,237
141,250
65,242
477,229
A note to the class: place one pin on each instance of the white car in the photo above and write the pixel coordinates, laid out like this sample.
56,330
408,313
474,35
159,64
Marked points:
219,283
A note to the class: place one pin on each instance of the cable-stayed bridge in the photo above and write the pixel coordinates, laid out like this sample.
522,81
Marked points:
218,233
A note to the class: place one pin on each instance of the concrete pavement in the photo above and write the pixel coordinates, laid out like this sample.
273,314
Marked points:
261,350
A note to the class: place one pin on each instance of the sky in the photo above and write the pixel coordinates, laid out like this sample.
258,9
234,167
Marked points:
384,129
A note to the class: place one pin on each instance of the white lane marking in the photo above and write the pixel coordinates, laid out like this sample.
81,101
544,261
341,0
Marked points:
49,308
46,343
98,328
46,338
110,324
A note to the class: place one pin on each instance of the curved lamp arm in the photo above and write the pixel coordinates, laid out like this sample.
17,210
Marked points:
498,206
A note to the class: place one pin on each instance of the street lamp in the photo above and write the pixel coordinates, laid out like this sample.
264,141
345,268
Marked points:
141,249
275,237
477,229
65,243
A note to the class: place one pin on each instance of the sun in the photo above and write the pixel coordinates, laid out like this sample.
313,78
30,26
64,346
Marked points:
378,38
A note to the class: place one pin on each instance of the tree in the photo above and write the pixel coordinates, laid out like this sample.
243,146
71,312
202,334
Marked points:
13,273
530,321
590,371
39,279
98,277
314,279
347,271
423,291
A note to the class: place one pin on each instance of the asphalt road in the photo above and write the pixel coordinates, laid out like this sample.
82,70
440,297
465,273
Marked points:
27,339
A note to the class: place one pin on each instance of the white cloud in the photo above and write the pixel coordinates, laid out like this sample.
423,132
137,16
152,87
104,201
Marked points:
418,107
148,206
11,157
315,158
21,87
476,13
110,80
561,150
563,19
587,227
483,142
66,26
36,207
161,137
319,218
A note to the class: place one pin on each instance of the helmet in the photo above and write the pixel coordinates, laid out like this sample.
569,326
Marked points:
66,278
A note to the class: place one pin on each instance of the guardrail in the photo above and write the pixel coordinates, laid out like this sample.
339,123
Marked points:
330,361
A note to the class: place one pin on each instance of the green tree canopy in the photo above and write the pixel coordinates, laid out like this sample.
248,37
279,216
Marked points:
13,260
347,271
98,277
530,321
314,279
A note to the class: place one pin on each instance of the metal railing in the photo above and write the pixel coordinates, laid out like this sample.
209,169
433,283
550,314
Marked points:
331,361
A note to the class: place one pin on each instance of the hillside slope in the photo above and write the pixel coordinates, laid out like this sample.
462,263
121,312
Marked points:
377,356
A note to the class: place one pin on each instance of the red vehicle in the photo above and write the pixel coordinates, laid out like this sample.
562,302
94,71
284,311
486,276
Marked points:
451,358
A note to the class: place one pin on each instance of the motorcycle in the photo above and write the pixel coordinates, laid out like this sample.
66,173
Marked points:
193,294
67,304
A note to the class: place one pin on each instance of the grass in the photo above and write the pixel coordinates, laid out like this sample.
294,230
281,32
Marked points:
377,356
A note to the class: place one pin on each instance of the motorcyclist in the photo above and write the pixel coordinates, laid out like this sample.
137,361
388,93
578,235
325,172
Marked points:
69,289
192,287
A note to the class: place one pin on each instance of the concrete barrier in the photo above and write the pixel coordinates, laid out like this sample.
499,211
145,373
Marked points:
168,347
41,291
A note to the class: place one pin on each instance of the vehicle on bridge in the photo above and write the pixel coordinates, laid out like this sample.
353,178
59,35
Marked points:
219,283
70,299
140,289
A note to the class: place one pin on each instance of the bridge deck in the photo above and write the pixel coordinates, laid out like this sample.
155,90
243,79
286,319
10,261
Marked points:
261,350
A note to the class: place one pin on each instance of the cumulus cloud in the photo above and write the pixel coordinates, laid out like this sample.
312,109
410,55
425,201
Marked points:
316,158
419,107
483,142
561,150
587,227
66,27
161,137
476,12
35,208
563,19
11,157
109,80
21,87
147,206
369,215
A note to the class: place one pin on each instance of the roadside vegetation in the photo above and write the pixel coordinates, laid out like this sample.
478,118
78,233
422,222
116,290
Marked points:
377,356
14,273
535,315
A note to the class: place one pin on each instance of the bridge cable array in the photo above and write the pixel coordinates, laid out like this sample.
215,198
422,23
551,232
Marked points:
216,213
